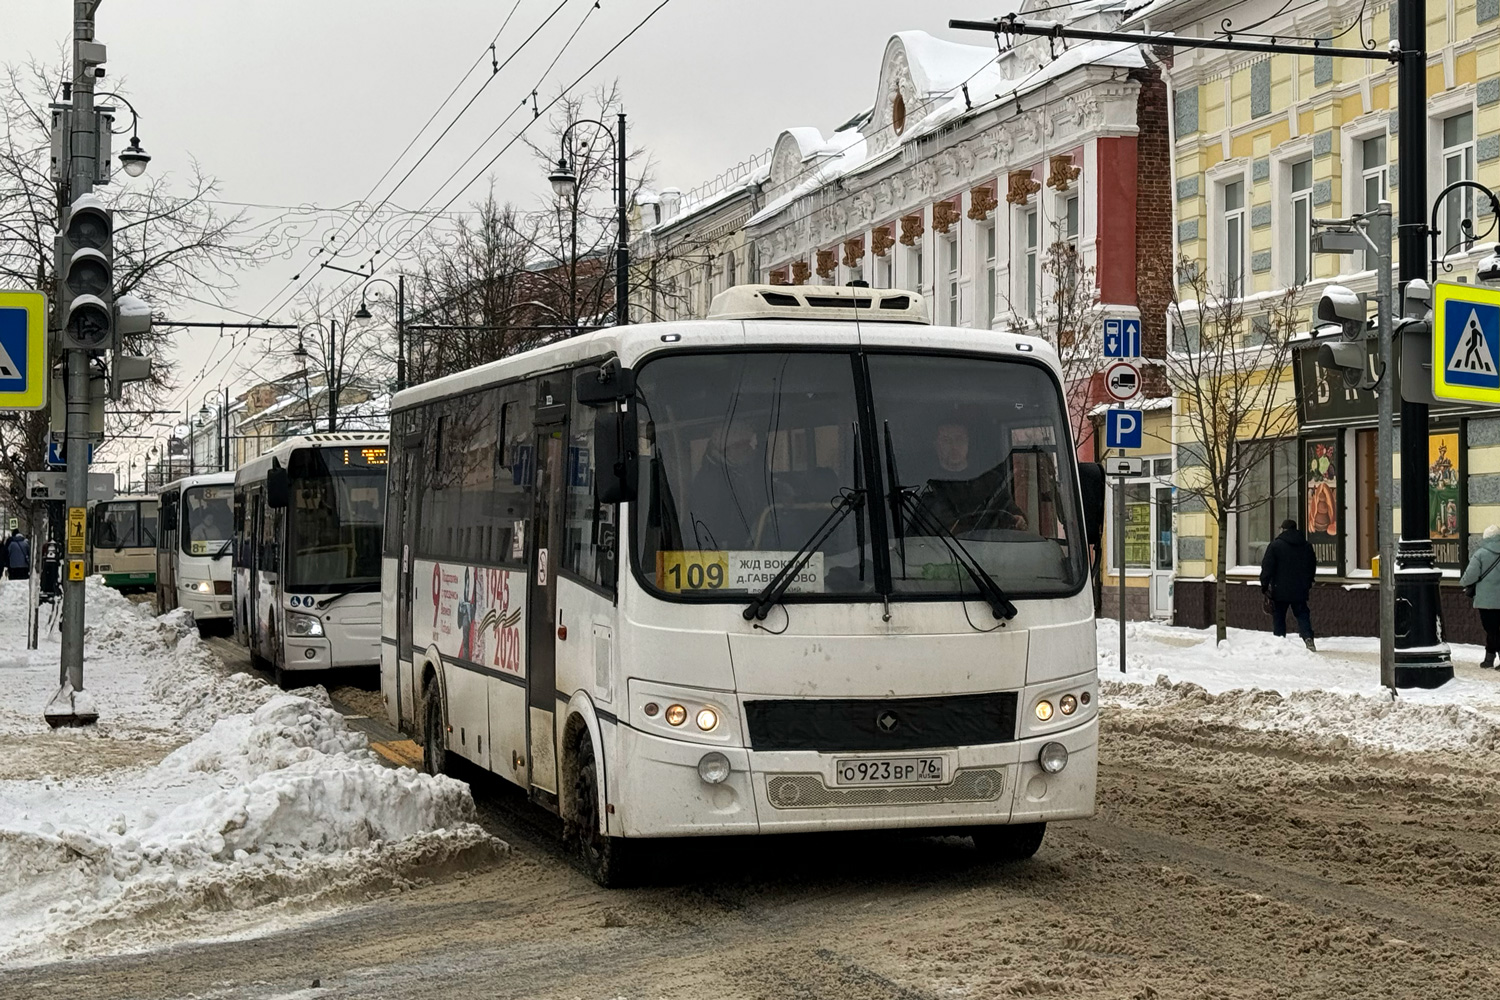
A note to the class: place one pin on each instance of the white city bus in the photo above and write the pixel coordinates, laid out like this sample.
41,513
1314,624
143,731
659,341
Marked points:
122,545
195,539
776,570
307,521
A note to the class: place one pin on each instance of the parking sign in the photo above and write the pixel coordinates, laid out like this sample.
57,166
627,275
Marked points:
1122,429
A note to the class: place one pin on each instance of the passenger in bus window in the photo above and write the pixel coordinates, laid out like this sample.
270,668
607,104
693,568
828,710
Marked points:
961,500
728,493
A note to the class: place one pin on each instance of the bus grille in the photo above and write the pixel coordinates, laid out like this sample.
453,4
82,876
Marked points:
807,791
842,725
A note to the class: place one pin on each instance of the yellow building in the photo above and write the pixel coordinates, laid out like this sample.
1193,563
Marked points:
1262,146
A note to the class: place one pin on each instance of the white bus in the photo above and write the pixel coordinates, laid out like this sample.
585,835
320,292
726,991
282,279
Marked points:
195,539
776,570
122,545
307,521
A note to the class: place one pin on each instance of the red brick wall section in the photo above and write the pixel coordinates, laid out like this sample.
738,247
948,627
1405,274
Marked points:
1154,207
1115,241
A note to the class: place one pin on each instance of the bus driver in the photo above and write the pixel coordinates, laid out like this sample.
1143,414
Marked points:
967,502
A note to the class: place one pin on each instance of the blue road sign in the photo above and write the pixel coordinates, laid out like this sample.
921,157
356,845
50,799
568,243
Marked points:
57,453
1122,428
23,350
1471,344
1122,338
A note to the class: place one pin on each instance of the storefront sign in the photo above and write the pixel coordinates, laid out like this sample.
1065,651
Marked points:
1324,401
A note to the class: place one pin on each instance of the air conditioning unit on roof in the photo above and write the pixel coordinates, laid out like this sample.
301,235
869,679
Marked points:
819,302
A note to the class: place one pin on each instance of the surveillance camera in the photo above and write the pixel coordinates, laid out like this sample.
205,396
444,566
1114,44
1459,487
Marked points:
1395,45
1489,268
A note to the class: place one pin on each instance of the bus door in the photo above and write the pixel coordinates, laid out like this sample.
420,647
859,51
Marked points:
257,566
541,598
402,491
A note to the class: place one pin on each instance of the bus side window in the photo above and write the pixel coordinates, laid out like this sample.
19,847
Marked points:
241,534
589,531
510,501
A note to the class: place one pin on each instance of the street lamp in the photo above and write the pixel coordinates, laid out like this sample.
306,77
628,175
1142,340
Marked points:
332,363
364,313
564,181
133,158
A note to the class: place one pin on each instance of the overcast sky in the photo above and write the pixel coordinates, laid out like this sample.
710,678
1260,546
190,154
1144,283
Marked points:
289,102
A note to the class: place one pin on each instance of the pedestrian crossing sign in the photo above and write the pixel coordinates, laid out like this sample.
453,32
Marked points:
23,350
1466,343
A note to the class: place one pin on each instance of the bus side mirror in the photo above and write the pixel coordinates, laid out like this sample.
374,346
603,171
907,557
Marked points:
1091,481
609,383
278,487
614,455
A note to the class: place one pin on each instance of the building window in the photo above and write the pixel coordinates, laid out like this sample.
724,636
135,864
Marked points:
912,265
729,275
1458,165
883,272
1270,497
1301,222
1374,171
1234,239
1032,271
1070,222
1137,498
990,290
950,262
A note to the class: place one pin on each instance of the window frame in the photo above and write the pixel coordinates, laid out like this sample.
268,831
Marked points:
1461,205
1233,236
1301,199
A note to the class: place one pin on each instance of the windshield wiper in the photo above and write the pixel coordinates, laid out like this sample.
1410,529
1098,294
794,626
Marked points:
223,550
923,518
849,500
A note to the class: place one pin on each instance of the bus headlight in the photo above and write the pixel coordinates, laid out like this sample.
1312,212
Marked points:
303,626
202,587
1068,704
1043,710
675,715
707,719
1053,758
713,768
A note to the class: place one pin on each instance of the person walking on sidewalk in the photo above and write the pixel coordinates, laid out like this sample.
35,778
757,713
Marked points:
1484,587
18,556
1286,577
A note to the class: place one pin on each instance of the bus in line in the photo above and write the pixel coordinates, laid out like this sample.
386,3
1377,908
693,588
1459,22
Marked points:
808,564
308,516
195,541
122,545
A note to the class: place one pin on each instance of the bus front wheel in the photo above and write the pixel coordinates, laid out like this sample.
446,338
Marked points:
1009,843
607,859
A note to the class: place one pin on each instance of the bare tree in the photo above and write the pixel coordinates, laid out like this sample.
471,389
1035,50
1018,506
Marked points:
1071,320
171,241
1228,377
338,357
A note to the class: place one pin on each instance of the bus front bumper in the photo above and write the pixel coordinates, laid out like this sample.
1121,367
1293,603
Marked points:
661,794
205,606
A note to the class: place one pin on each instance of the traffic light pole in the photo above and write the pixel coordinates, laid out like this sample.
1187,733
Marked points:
68,707
1422,656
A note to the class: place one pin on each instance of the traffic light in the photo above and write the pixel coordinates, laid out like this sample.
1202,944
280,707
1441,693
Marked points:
1415,330
132,319
86,275
1348,356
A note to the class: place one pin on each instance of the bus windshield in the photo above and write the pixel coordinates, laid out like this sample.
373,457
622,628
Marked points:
125,524
335,519
744,457
207,519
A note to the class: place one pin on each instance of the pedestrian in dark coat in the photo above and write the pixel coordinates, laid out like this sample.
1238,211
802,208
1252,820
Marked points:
18,556
1286,577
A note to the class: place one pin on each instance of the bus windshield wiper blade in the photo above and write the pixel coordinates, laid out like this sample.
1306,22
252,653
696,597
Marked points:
999,604
224,549
849,500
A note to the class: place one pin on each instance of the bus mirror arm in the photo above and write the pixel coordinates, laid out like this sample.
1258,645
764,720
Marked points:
611,382
278,486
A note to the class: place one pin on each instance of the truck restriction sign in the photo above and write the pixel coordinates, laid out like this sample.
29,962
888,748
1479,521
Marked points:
1122,380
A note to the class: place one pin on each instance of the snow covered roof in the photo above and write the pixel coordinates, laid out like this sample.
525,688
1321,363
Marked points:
938,66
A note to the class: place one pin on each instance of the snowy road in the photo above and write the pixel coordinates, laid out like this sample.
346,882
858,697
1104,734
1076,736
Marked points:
1246,846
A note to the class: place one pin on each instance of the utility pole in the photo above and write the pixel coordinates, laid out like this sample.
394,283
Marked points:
1385,486
1422,656
334,374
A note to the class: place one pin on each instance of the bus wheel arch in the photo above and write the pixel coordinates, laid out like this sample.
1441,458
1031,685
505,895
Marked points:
582,722
612,861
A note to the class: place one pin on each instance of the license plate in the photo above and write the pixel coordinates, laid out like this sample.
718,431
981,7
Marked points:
889,771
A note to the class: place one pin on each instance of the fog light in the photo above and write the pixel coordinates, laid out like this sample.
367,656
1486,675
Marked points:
1053,758
651,708
1044,710
707,719
1084,698
676,715
311,654
1068,704
714,768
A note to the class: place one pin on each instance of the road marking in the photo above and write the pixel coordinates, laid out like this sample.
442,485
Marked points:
404,753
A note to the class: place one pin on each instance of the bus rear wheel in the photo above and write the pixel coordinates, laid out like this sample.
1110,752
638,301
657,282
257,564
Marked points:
607,859
434,746
1008,843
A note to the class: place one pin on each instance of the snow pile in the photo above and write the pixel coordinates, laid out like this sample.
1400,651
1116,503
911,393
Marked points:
255,805
1255,681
